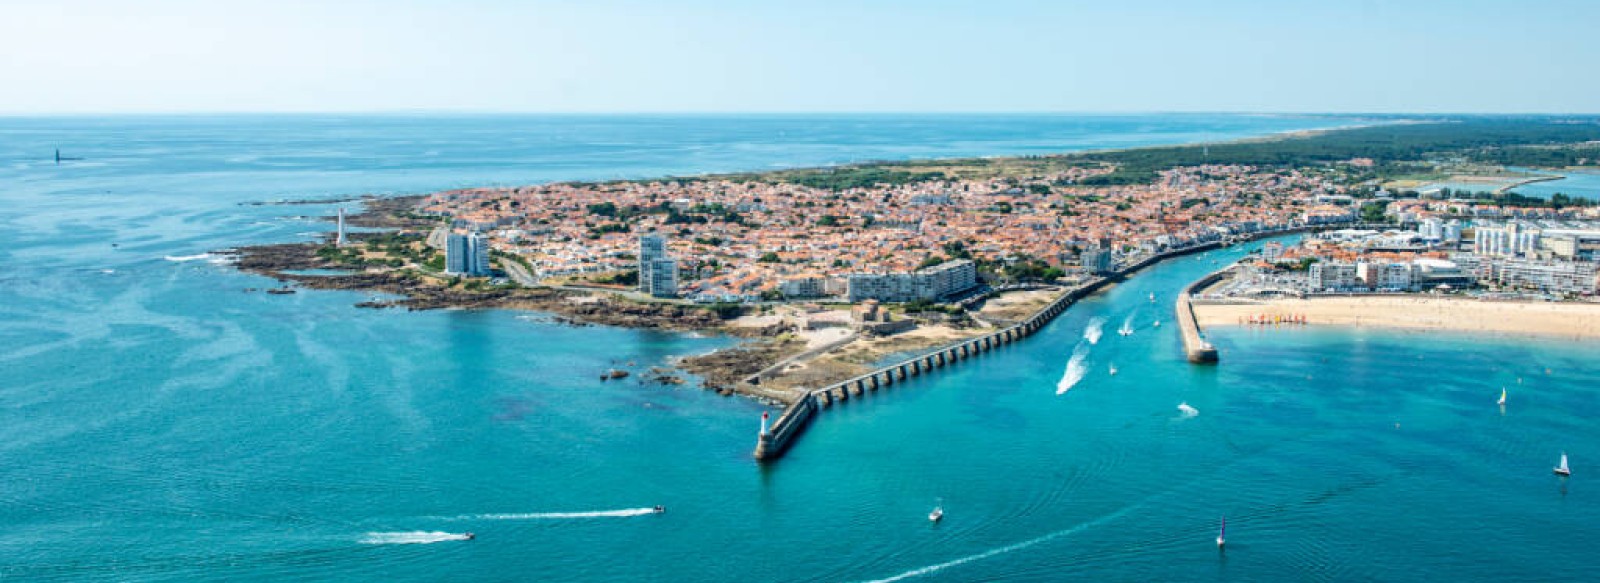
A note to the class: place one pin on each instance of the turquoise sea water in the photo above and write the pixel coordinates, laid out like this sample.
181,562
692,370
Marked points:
159,423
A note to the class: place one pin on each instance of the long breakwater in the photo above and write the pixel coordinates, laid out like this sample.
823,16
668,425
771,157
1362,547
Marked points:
777,438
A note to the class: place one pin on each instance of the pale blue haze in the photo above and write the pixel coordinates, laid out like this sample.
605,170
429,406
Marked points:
1409,56
158,423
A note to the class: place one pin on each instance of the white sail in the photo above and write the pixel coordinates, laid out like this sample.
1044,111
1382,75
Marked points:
1502,396
1564,463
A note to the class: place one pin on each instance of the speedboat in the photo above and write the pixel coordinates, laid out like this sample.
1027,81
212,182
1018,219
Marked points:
938,512
659,509
468,536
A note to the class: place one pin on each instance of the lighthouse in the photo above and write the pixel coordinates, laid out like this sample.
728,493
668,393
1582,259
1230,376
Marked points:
340,241
764,416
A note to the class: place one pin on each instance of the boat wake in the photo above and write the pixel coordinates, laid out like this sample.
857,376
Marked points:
623,513
931,569
1076,369
1095,329
1187,411
418,537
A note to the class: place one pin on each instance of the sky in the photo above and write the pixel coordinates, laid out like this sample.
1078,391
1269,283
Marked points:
615,56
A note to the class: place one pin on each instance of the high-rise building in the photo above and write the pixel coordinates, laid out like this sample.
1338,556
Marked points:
663,277
467,254
651,248
455,254
478,254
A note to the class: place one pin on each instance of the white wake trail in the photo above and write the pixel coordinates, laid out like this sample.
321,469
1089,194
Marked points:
623,513
1076,369
1096,328
928,570
417,537
1127,324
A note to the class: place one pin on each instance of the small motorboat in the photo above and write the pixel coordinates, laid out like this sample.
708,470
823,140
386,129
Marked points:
659,509
1113,370
1152,297
1562,469
468,536
938,512
1158,324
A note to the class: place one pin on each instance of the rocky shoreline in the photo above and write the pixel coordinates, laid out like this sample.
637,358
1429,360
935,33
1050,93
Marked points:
301,265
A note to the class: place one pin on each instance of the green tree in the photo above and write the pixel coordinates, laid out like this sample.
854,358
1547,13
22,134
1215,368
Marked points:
1372,212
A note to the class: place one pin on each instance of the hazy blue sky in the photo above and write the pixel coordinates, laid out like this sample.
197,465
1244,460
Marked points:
821,55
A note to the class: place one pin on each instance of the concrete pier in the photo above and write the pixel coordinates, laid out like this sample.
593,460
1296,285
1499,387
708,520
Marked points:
1198,350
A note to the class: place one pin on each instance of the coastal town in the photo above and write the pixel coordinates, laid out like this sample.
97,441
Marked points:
836,272
718,240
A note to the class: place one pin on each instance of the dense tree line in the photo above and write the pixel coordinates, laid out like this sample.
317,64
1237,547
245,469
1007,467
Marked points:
1385,145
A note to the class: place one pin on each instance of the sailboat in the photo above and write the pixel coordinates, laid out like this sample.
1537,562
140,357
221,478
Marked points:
1562,470
1158,323
938,512
1222,533
1152,297
1502,400
1113,370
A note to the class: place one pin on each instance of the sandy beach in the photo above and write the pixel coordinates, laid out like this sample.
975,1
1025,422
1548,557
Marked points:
1571,320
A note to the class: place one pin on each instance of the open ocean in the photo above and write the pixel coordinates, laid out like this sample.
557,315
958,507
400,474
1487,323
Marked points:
159,423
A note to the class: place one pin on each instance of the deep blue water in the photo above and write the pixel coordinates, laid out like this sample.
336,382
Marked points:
159,423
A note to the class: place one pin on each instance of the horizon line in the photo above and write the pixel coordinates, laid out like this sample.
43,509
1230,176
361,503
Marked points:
690,112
